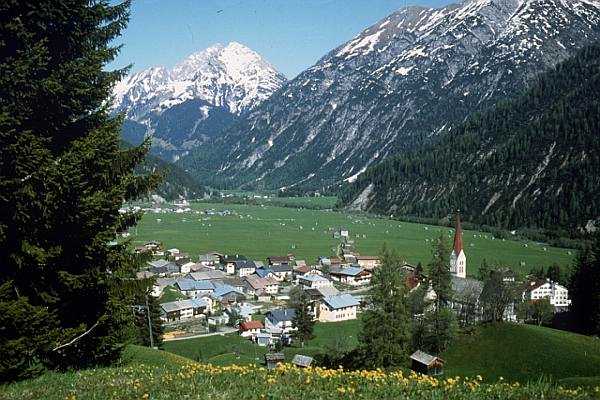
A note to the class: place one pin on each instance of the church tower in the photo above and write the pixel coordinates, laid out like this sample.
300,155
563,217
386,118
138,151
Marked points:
458,259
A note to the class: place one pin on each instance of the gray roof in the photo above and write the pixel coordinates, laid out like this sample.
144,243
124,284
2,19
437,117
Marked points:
302,361
328,291
459,285
183,305
313,278
223,290
281,315
207,274
423,357
158,263
341,301
190,284
282,268
350,271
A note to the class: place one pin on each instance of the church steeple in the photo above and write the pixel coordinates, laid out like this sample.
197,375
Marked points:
458,243
458,259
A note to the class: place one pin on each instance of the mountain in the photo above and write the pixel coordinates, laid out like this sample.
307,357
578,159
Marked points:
195,100
529,162
399,84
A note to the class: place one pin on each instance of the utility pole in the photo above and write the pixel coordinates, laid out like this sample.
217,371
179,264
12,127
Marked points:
149,323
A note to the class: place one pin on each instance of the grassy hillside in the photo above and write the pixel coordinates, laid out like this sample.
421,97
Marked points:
261,231
160,376
524,352
233,349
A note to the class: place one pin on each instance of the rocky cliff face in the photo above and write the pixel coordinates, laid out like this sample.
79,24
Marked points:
400,83
198,98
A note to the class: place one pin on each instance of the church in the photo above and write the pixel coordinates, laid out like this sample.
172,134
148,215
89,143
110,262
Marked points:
458,259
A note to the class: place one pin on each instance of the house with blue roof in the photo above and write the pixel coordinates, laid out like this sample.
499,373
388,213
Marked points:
280,320
193,288
341,307
227,294
354,275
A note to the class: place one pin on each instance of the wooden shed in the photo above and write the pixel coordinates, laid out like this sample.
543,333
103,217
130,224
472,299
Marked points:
272,359
426,364
301,361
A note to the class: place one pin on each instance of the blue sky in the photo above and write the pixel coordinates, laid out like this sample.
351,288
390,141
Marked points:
291,34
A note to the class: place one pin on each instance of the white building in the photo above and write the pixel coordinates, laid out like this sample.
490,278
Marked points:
341,307
458,259
280,320
311,281
556,293
183,310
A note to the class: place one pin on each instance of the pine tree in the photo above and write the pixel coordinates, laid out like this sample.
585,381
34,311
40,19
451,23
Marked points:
438,327
303,320
385,338
584,290
63,178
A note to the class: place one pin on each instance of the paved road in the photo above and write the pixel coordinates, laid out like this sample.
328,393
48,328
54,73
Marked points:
223,332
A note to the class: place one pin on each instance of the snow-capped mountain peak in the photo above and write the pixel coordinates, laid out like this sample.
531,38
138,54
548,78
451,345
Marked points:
231,76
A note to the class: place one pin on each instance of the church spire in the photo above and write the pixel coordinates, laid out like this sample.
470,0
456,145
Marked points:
458,243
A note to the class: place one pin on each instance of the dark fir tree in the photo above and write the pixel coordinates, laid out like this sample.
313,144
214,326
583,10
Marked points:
496,295
303,319
438,327
385,338
63,178
584,290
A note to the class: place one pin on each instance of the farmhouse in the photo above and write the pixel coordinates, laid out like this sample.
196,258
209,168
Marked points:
341,307
265,272
280,321
227,294
185,265
313,281
256,285
192,288
183,310
206,274
282,272
163,267
280,260
354,276
230,262
547,289
250,328
245,268
368,262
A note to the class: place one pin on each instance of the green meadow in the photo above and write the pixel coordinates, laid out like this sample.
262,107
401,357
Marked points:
258,231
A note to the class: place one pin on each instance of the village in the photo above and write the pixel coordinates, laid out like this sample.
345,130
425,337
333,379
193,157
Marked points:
215,293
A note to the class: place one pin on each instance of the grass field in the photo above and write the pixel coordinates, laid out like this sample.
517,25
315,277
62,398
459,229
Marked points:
233,349
261,231
517,353
149,374
524,352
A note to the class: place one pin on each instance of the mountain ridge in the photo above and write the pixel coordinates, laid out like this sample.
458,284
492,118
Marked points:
399,83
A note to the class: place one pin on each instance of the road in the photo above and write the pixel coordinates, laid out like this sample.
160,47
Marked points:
223,332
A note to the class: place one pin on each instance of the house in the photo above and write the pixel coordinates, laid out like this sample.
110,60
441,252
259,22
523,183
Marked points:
280,260
282,272
301,361
250,328
280,320
185,265
547,289
311,281
154,247
300,270
209,259
245,268
193,288
206,274
163,267
246,310
172,252
256,285
265,272
426,364
341,307
234,281
229,262
227,294
354,276
183,310
349,258
368,262
262,339
272,359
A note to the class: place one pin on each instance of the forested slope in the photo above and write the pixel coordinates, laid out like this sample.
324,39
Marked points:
529,162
